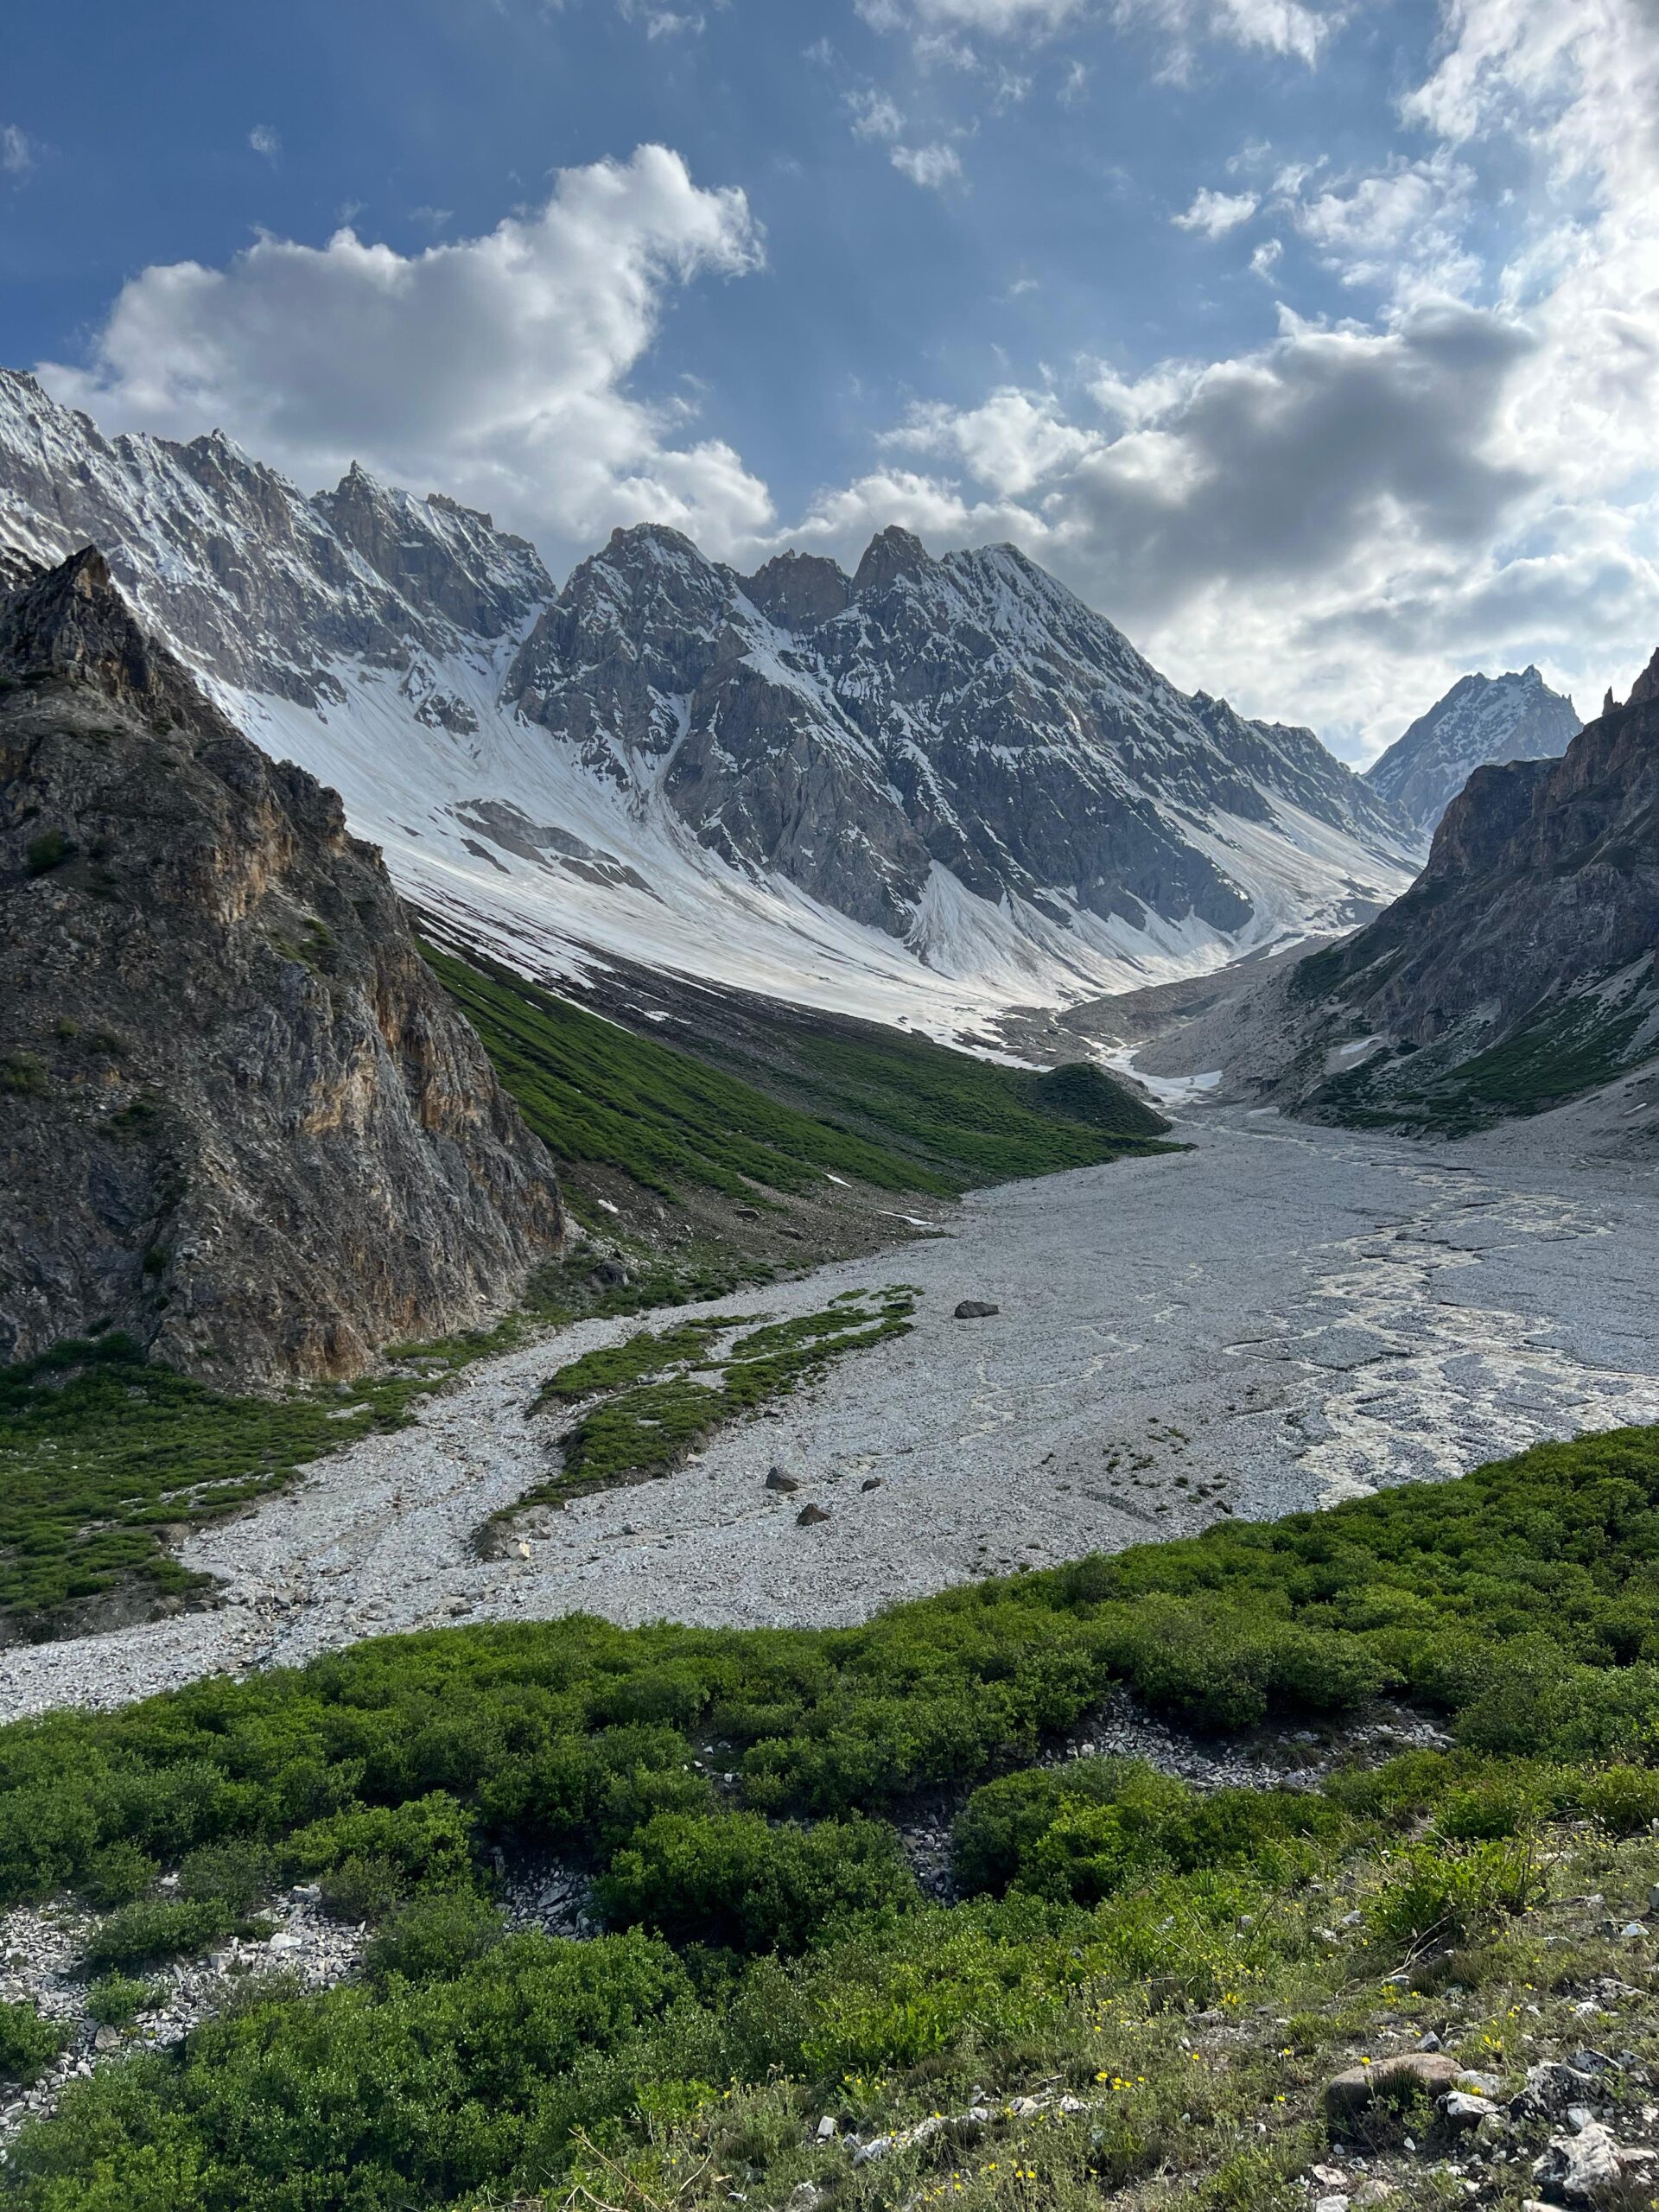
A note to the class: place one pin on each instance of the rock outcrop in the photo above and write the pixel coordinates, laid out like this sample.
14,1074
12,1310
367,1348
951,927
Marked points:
1520,969
238,1118
1482,722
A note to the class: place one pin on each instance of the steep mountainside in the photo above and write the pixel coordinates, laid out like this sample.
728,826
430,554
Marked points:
1481,721
239,1119
934,788
1519,968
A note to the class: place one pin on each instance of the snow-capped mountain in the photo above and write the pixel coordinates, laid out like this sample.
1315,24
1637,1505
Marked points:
930,789
1483,721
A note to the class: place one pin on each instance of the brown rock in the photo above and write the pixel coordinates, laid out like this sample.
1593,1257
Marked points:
1394,2081
809,1517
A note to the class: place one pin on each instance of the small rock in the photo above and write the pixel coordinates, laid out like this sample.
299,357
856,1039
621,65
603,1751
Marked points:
827,2128
777,1478
284,1942
1633,1928
1460,2109
1331,2204
1429,2042
1396,2079
107,2039
975,1309
809,1517
871,1482
609,1274
878,2147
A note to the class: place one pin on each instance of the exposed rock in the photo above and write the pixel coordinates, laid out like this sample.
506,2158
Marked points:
777,1478
975,1309
1463,2108
1396,2080
1579,2167
809,1517
1481,719
244,1123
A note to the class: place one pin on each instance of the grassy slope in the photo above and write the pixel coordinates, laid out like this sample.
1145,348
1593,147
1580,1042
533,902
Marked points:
1187,1968
895,1111
101,1455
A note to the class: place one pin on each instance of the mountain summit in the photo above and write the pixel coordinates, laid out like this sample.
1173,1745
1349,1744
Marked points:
1483,721
934,786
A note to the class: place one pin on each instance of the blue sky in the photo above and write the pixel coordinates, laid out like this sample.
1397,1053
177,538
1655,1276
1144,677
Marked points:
1311,343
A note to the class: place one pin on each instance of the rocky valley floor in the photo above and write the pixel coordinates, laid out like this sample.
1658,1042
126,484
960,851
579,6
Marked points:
1278,1319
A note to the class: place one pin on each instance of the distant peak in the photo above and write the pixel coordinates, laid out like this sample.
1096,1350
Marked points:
891,553
799,589
1647,684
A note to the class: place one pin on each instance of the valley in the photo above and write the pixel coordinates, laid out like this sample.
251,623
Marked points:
1280,1318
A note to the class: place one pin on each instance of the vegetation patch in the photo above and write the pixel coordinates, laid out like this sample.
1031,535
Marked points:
1139,1990
657,1398
894,1111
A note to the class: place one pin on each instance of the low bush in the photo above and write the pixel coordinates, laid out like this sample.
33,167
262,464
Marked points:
117,1875
735,1881
1432,1897
153,1929
115,2000
28,2043
433,1937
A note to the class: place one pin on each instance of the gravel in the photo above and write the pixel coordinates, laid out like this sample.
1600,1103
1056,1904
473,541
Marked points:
1281,1318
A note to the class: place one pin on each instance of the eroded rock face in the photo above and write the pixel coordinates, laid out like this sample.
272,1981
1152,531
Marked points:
238,1118
859,734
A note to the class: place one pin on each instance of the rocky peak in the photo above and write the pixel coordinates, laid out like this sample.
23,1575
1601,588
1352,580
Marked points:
1646,687
1481,721
891,553
72,622
799,590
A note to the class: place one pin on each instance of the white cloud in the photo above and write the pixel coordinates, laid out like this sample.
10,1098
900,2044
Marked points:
874,115
263,140
932,166
1214,213
16,153
1266,258
494,368
1000,18
1283,26
1013,442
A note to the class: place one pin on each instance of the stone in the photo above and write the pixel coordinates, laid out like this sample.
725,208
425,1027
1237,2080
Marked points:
1462,2108
809,1517
778,1478
1396,2079
871,1482
107,2038
1581,2166
975,1309
827,2128
1429,2042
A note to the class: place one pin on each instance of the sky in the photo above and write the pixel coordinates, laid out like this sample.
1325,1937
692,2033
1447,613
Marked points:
1315,342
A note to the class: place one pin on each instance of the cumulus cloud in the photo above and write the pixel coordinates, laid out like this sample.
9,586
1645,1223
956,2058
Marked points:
932,166
16,153
1214,213
494,368
1285,27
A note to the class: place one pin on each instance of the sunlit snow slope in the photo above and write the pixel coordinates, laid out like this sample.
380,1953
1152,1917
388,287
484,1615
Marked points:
930,791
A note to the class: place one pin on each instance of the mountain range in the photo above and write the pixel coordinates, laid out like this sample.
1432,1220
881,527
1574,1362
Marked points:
933,788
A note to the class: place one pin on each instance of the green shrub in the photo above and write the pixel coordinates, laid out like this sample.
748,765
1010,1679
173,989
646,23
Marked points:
117,1875
429,1840
434,1935
28,2043
236,1874
1432,1896
1502,1804
1625,1799
49,850
144,1934
735,1881
114,2000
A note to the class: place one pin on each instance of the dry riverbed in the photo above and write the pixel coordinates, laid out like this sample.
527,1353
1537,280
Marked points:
1283,1316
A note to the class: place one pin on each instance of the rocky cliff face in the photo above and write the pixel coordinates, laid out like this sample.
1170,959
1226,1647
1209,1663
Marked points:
838,787
1522,966
1483,721
238,1118
966,713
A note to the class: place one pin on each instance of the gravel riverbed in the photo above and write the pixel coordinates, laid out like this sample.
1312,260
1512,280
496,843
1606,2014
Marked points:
1281,1317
